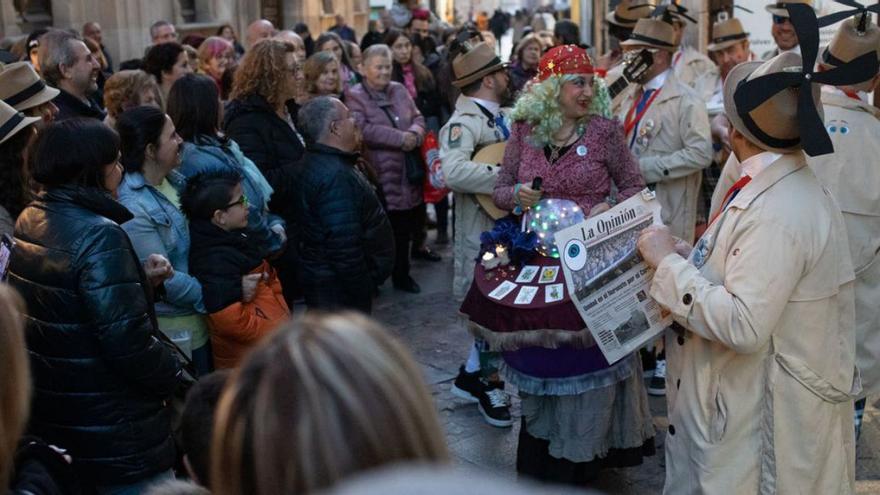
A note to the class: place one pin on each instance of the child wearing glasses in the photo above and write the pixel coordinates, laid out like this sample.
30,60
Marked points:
241,290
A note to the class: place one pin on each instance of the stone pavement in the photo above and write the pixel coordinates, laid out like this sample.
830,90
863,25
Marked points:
428,323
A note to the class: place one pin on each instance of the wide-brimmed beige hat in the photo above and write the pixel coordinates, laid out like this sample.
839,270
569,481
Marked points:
12,121
475,63
850,43
627,13
726,33
22,88
773,125
778,8
653,33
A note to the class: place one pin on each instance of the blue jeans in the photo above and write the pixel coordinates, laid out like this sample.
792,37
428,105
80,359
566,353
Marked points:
135,488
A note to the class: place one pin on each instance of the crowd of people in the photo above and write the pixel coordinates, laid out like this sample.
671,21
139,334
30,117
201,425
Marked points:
168,216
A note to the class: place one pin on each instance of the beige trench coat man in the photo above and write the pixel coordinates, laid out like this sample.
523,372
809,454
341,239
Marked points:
852,177
762,381
673,145
466,132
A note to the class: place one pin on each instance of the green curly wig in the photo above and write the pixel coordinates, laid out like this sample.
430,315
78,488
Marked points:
539,106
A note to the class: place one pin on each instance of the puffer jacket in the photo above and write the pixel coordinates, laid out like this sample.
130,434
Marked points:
101,377
219,259
383,137
346,245
269,141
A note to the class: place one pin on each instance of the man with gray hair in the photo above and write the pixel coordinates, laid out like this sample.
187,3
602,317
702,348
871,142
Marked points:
346,247
67,64
163,32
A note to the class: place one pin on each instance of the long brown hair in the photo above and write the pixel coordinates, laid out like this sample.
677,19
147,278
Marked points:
424,78
326,397
15,381
263,71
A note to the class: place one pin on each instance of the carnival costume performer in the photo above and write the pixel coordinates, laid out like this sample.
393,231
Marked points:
579,414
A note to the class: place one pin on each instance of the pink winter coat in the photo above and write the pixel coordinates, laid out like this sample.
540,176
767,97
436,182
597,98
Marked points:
383,140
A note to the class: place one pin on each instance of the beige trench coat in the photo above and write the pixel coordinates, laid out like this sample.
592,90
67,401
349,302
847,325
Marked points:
675,148
697,71
465,178
761,384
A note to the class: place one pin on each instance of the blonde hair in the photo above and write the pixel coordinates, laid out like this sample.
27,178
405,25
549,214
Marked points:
263,71
314,67
15,381
122,91
326,397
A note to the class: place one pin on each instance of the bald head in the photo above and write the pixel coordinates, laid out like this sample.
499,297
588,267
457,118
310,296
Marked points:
258,30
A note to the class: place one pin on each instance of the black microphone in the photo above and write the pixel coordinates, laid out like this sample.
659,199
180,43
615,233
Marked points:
536,183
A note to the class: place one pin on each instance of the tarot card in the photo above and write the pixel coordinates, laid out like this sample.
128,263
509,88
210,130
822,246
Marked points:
553,293
527,274
526,294
548,274
503,290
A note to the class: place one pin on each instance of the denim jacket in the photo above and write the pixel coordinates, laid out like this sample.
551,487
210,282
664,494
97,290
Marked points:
158,227
206,152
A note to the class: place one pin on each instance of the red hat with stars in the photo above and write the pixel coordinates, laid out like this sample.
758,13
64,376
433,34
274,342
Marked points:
564,59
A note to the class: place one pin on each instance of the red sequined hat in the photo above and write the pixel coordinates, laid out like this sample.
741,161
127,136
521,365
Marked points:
566,59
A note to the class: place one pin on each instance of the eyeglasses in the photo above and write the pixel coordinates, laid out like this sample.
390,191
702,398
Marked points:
778,19
243,201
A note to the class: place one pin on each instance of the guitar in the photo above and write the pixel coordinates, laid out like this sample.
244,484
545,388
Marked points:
634,65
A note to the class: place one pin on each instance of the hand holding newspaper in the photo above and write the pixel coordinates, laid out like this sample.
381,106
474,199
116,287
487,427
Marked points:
607,278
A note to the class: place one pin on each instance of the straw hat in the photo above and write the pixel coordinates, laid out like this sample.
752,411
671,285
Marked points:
627,13
475,63
849,42
12,121
774,123
22,88
779,7
652,33
727,33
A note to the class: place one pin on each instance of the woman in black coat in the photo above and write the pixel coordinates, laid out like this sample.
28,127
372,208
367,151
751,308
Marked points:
257,118
102,379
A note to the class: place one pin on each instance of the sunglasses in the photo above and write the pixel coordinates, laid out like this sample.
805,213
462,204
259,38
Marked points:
778,19
243,201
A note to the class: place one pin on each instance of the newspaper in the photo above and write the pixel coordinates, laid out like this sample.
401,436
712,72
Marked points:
607,279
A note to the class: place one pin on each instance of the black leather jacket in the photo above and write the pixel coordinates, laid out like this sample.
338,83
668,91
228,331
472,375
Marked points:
101,377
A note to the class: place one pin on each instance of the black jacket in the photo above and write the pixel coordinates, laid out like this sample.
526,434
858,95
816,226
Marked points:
269,141
101,377
70,106
345,240
218,259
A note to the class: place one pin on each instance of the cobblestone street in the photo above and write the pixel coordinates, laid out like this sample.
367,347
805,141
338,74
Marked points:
429,324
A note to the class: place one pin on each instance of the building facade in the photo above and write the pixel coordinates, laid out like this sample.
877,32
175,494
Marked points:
126,23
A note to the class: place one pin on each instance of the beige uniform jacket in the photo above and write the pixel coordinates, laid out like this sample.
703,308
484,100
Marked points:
761,384
466,132
673,145
852,175
697,71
